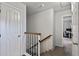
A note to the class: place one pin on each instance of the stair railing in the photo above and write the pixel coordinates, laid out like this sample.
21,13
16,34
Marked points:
46,44
32,43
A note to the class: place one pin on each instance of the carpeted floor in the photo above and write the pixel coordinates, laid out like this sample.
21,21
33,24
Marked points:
58,51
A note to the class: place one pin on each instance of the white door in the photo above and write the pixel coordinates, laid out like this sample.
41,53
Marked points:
10,31
3,32
15,31
75,29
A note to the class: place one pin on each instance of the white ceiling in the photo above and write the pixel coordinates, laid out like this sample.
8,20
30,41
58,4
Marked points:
35,7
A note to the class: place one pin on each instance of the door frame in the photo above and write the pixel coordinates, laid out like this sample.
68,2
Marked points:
62,26
75,44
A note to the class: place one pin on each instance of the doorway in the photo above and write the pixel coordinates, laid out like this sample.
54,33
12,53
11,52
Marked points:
67,35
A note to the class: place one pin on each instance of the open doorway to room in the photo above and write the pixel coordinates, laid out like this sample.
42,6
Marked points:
67,35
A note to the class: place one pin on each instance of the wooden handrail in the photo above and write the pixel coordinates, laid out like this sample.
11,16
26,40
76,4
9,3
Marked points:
32,33
45,38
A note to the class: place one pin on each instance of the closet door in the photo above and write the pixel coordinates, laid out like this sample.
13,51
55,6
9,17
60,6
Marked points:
14,32
15,25
10,31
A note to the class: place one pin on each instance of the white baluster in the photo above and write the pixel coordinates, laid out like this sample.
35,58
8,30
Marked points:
39,45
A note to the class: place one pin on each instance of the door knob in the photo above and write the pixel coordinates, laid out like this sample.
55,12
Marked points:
75,43
19,35
0,35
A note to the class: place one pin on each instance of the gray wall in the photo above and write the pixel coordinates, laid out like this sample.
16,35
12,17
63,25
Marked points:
41,22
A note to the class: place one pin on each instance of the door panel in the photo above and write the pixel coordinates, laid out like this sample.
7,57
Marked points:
8,32
19,32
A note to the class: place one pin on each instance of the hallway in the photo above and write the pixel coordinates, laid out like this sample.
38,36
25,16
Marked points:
39,28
